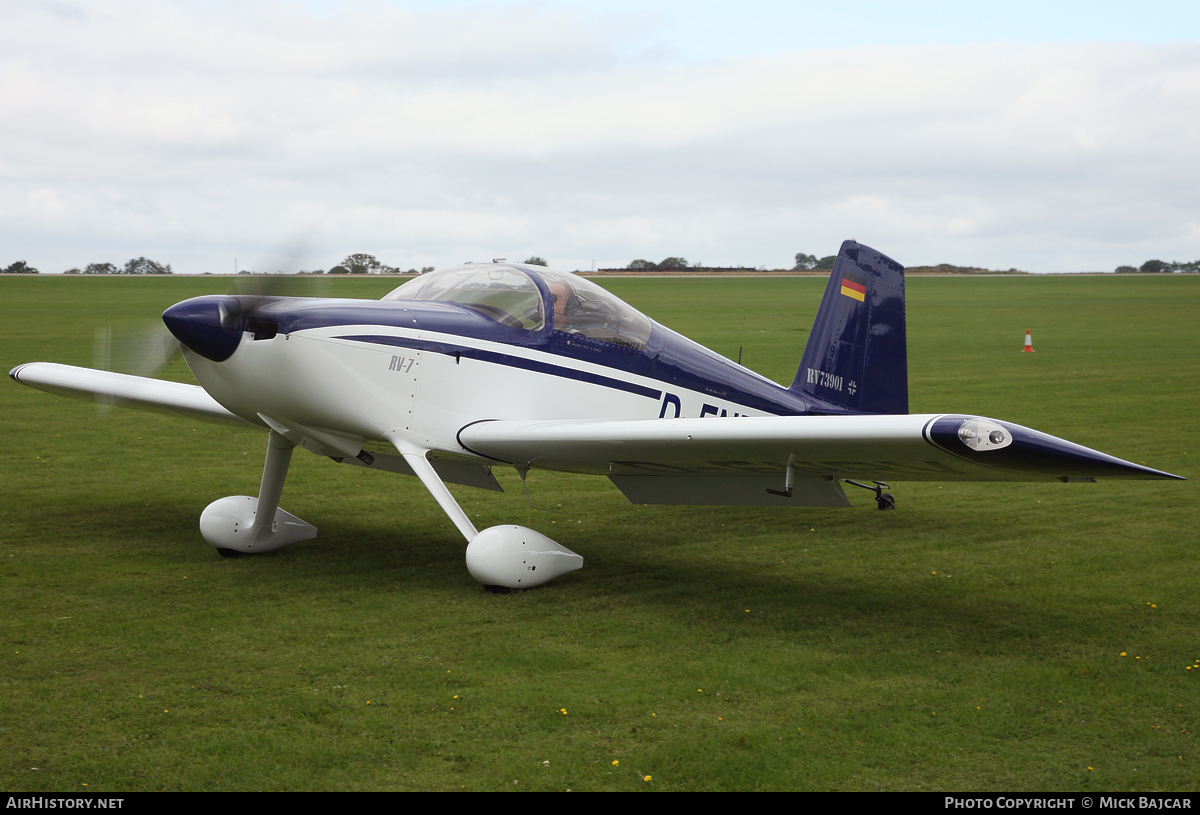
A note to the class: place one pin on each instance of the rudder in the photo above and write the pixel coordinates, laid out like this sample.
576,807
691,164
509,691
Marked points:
856,359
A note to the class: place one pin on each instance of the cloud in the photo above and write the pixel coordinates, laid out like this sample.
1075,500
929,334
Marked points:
197,131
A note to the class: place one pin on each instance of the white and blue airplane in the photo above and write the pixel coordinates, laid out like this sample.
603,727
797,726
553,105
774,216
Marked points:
460,370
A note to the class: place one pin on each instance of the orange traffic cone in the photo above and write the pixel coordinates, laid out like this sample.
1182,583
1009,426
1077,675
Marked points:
1028,349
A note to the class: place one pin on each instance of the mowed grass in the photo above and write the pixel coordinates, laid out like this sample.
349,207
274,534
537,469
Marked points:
980,637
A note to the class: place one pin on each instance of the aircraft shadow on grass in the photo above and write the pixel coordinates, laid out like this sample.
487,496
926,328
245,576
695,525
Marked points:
796,599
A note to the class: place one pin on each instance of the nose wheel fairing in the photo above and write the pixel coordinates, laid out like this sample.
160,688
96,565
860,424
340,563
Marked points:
232,524
243,524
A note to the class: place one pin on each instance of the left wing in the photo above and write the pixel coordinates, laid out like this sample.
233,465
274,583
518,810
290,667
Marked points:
754,460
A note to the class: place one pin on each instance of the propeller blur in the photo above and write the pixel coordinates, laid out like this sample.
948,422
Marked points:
460,370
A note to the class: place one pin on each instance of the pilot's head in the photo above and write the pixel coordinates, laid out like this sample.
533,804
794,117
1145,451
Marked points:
560,296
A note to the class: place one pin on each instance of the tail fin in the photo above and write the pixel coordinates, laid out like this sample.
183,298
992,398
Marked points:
856,360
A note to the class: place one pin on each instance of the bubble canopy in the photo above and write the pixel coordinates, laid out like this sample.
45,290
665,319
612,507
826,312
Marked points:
533,300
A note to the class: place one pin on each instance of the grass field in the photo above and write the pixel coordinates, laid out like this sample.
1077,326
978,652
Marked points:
980,637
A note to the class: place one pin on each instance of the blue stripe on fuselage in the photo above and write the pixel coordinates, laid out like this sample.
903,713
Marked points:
467,351
669,358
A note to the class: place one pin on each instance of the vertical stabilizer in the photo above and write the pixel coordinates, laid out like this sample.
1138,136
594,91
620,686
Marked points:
856,359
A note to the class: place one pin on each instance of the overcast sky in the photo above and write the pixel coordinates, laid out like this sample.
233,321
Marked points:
1042,136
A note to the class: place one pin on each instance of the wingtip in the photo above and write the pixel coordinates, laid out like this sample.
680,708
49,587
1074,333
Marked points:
1031,451
1142,471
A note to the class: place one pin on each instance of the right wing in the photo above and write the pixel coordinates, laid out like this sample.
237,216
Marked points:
124,390
192,401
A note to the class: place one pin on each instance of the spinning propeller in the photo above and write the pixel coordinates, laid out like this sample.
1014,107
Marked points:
214,323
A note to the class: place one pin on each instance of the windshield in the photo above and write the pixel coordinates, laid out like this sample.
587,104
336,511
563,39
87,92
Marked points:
510,296
505,294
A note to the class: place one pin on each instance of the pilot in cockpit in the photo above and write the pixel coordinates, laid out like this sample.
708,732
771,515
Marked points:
565,301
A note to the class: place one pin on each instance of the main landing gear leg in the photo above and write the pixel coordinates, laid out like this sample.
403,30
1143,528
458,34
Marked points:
500,557
241,524
885,500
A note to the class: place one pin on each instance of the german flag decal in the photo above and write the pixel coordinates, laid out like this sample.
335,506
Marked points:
854,286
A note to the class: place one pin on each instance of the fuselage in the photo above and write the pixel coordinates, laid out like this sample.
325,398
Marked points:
428,368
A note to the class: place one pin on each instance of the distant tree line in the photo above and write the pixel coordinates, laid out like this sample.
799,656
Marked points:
676,264
361,263
667,264
804,261
1159,266
134,266
357,263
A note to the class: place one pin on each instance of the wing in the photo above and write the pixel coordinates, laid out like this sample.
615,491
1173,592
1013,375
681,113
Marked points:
194,402
750,460
111,388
